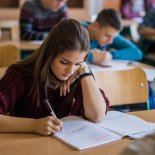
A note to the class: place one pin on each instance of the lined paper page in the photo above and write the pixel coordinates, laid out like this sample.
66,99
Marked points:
82,134
125,124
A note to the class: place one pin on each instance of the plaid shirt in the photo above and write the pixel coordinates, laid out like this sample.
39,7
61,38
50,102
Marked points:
36,22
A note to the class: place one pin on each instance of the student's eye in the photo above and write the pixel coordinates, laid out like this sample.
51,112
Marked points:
63,62
77,64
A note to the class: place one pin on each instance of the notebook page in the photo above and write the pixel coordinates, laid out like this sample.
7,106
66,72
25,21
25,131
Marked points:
141,134
124,124
82,134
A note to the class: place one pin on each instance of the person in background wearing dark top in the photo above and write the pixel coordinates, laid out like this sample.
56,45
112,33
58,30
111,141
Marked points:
37,17
106,43
57,71
147,32
145,146
135,9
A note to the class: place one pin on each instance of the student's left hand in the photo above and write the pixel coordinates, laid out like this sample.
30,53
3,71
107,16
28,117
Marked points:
65,85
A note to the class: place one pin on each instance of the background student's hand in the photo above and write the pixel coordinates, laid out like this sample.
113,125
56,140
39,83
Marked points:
101,57
47,125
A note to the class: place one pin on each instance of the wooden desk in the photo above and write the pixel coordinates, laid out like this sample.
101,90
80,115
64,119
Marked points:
23,45
150,38
17,144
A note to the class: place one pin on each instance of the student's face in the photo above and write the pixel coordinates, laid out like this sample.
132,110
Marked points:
105,35
55,4
65,64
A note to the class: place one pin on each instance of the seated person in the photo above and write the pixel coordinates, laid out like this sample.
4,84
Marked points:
147,32
57,71
106,43
145,146
135,9
37,17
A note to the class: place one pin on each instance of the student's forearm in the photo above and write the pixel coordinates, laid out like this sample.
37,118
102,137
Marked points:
94,103
16,124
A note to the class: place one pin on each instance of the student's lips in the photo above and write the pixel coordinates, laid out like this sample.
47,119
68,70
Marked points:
66,75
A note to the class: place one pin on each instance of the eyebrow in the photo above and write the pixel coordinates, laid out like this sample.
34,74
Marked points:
70,61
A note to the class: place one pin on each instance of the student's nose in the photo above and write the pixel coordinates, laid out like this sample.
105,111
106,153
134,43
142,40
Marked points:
71,69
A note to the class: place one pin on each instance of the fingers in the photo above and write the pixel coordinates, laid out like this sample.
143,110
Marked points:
101,56
108,57
63,89
48,125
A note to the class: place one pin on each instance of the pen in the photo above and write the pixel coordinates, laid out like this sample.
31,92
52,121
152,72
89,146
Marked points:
48,106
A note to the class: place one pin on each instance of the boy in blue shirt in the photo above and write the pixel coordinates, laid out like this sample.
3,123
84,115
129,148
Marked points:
106,43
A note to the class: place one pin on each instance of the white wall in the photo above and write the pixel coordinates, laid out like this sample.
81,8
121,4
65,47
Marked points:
95,6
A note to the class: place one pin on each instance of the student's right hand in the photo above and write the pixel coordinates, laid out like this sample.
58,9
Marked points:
47,125
101,57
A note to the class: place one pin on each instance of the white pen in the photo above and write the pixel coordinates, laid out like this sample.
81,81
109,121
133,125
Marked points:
48,106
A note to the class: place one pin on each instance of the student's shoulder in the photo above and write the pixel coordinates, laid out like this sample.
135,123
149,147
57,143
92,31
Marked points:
30,4
120,38
64,8
18,69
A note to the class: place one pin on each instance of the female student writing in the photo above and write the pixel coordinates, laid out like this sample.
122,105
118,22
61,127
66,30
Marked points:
57,72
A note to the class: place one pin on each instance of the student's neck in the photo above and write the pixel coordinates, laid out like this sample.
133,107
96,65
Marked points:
91,32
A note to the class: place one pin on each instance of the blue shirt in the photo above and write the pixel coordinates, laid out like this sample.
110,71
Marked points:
123,49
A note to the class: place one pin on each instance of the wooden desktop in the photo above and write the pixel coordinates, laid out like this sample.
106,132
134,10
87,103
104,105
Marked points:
20,143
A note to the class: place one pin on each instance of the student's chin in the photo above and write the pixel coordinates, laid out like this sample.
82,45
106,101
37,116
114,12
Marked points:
64,78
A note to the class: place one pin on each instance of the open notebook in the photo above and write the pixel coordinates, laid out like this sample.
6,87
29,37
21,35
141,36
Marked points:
82,134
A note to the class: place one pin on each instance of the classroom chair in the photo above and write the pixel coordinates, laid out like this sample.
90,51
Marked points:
124,86
2,71
9,54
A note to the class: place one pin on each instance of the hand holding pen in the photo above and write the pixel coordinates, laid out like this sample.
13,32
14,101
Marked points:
47,125
48,106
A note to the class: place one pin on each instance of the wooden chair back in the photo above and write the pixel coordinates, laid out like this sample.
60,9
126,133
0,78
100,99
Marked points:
9,54
2,71
124,86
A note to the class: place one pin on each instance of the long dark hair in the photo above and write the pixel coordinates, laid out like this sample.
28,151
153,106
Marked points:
66,35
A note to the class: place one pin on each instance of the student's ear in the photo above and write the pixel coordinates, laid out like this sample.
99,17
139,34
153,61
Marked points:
95,24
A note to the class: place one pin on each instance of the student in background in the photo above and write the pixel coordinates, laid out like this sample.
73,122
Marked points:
135,9
37,17
147,32
145,146
106,43
57,71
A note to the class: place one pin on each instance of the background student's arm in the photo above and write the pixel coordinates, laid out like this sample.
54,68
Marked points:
93,101
26,24
125,49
